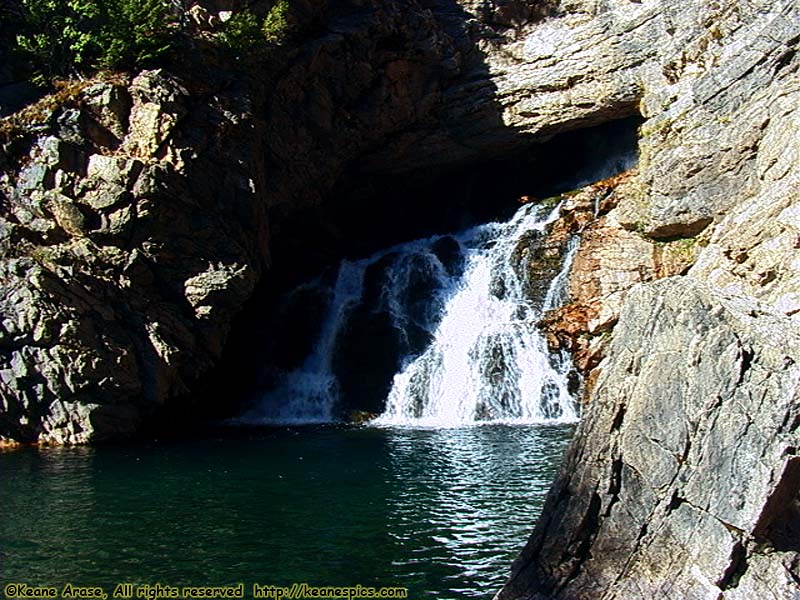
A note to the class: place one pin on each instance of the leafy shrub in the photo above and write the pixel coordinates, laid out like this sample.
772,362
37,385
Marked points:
276,23
43,40
241,32
74,37
138,32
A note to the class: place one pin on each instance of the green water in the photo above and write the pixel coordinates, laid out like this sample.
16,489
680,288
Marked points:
440,512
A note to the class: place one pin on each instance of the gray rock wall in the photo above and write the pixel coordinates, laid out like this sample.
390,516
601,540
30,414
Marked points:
137,212
682,481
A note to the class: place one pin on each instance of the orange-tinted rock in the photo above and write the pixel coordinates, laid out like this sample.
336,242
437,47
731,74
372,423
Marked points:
610,261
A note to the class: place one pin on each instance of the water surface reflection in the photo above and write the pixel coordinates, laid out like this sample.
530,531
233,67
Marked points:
442,512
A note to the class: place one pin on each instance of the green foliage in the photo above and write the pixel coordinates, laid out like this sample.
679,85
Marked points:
138,33
244,34
241,32
45,40
276,23
71,37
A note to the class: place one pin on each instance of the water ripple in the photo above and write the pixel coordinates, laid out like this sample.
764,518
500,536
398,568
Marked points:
443,513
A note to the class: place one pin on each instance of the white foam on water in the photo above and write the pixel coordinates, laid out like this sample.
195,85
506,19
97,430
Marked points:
487,361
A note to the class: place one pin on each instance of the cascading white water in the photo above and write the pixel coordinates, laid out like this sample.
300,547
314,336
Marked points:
468,349
308,394
488,361
557,292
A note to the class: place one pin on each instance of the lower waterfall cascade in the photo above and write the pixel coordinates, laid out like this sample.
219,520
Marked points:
462,315
487,361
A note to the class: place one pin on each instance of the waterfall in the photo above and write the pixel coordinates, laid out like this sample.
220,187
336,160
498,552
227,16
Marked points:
557,293
308,394
488,361
436,332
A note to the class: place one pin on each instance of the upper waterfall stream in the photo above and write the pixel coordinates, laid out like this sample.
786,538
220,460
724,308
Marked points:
453,319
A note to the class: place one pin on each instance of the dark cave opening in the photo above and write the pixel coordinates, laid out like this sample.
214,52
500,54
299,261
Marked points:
368,212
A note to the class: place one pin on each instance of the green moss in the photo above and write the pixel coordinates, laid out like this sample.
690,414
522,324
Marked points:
45,256
681,251
681,244
685,248
38,114
552,201
662,125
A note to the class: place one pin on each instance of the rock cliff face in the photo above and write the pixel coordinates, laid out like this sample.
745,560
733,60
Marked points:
682,480
138,214
123,261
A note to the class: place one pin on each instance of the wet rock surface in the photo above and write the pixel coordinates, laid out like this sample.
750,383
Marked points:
610,260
